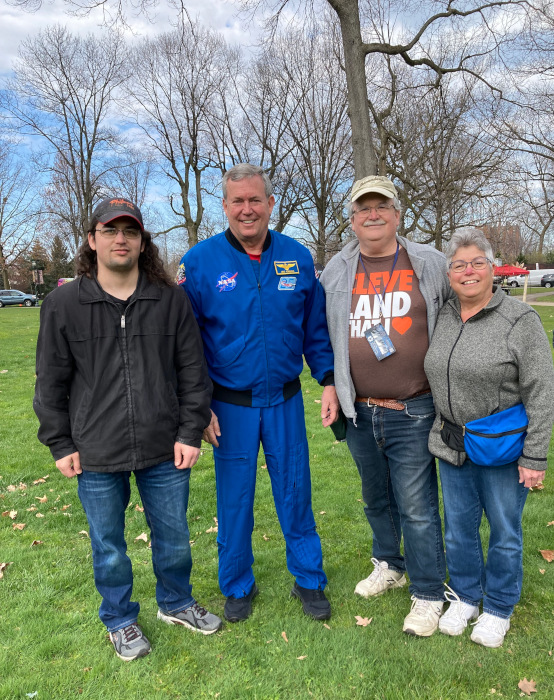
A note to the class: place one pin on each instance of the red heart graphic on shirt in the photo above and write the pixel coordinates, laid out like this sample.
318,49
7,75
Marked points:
401,324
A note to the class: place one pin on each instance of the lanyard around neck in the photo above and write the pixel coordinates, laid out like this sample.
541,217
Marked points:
379,296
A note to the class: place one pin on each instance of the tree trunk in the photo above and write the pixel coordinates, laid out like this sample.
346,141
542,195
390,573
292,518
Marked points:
354,64
358,110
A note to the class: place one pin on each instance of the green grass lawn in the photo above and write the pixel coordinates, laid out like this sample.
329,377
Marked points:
53,645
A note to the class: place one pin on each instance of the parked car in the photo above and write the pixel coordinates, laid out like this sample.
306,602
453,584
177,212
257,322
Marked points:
547,280
13,297
533,278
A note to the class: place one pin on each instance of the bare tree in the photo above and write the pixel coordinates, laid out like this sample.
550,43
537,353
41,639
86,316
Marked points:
442,158
173,100
62,92
367,28
319,134
17,211
253,125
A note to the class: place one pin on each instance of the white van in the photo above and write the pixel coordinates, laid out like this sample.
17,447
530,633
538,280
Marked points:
534,278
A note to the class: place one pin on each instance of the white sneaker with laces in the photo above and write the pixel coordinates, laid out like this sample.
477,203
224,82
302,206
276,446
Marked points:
455,619
490,630
380,580
423,618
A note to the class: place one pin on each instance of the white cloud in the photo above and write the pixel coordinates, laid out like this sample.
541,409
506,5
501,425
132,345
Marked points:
16,24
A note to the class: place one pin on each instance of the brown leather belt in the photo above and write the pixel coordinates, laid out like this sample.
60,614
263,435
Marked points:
394,404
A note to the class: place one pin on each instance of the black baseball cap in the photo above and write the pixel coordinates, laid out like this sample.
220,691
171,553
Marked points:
114,207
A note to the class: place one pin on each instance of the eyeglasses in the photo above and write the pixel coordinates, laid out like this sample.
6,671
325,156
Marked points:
379,209
131,233
476,264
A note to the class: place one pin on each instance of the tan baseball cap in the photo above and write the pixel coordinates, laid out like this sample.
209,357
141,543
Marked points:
373,183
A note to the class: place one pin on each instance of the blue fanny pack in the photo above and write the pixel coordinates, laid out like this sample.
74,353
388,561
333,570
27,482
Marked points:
497,439
492,441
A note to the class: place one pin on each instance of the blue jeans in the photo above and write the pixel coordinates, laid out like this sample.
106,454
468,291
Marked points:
468,491
399,488
164,491
282,432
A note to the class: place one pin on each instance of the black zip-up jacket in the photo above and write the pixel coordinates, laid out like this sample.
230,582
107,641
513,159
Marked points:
119,386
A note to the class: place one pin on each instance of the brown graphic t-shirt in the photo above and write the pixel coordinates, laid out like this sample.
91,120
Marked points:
398,302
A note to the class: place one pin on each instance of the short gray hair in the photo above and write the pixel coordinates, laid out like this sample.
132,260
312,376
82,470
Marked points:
351,211
242,171
466,236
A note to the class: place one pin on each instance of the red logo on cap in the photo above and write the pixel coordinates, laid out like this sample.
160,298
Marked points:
119,202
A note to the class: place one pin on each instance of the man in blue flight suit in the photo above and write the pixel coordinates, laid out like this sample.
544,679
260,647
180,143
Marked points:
260,308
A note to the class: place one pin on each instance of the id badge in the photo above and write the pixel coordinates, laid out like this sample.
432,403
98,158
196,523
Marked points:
380,342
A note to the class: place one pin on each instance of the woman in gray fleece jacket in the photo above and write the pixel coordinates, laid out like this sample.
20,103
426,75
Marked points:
488,352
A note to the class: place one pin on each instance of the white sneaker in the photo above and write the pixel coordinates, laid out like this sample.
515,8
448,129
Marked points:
423,618
380,580
455,619
490,630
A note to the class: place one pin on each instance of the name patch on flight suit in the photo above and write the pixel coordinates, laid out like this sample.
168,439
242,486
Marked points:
286,268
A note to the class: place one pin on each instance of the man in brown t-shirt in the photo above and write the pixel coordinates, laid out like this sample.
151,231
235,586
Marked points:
391,290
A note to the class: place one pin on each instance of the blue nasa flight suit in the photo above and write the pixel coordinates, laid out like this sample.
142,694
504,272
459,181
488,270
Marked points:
257,320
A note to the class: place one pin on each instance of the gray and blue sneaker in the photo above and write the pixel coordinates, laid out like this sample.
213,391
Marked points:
130,643
196,618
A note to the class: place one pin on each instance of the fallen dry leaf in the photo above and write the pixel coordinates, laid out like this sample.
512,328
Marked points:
542,571
493,691
550,523
10,514
301,658
547,554
18,526
284,635
4,371
139,508
264,466
87,668
363,621
35,543
22,486
212,529
326,626
317,400
3,566
31,509
83,532
11,487
39,515
41,499
538,487
42,480
143,537
66,507
527,687
323,512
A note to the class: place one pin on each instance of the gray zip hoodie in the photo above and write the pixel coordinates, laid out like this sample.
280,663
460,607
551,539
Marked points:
496,359
338,281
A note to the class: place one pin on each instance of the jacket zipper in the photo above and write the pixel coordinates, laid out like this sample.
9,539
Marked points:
127,378
258,280
127,375
448,372
448,383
